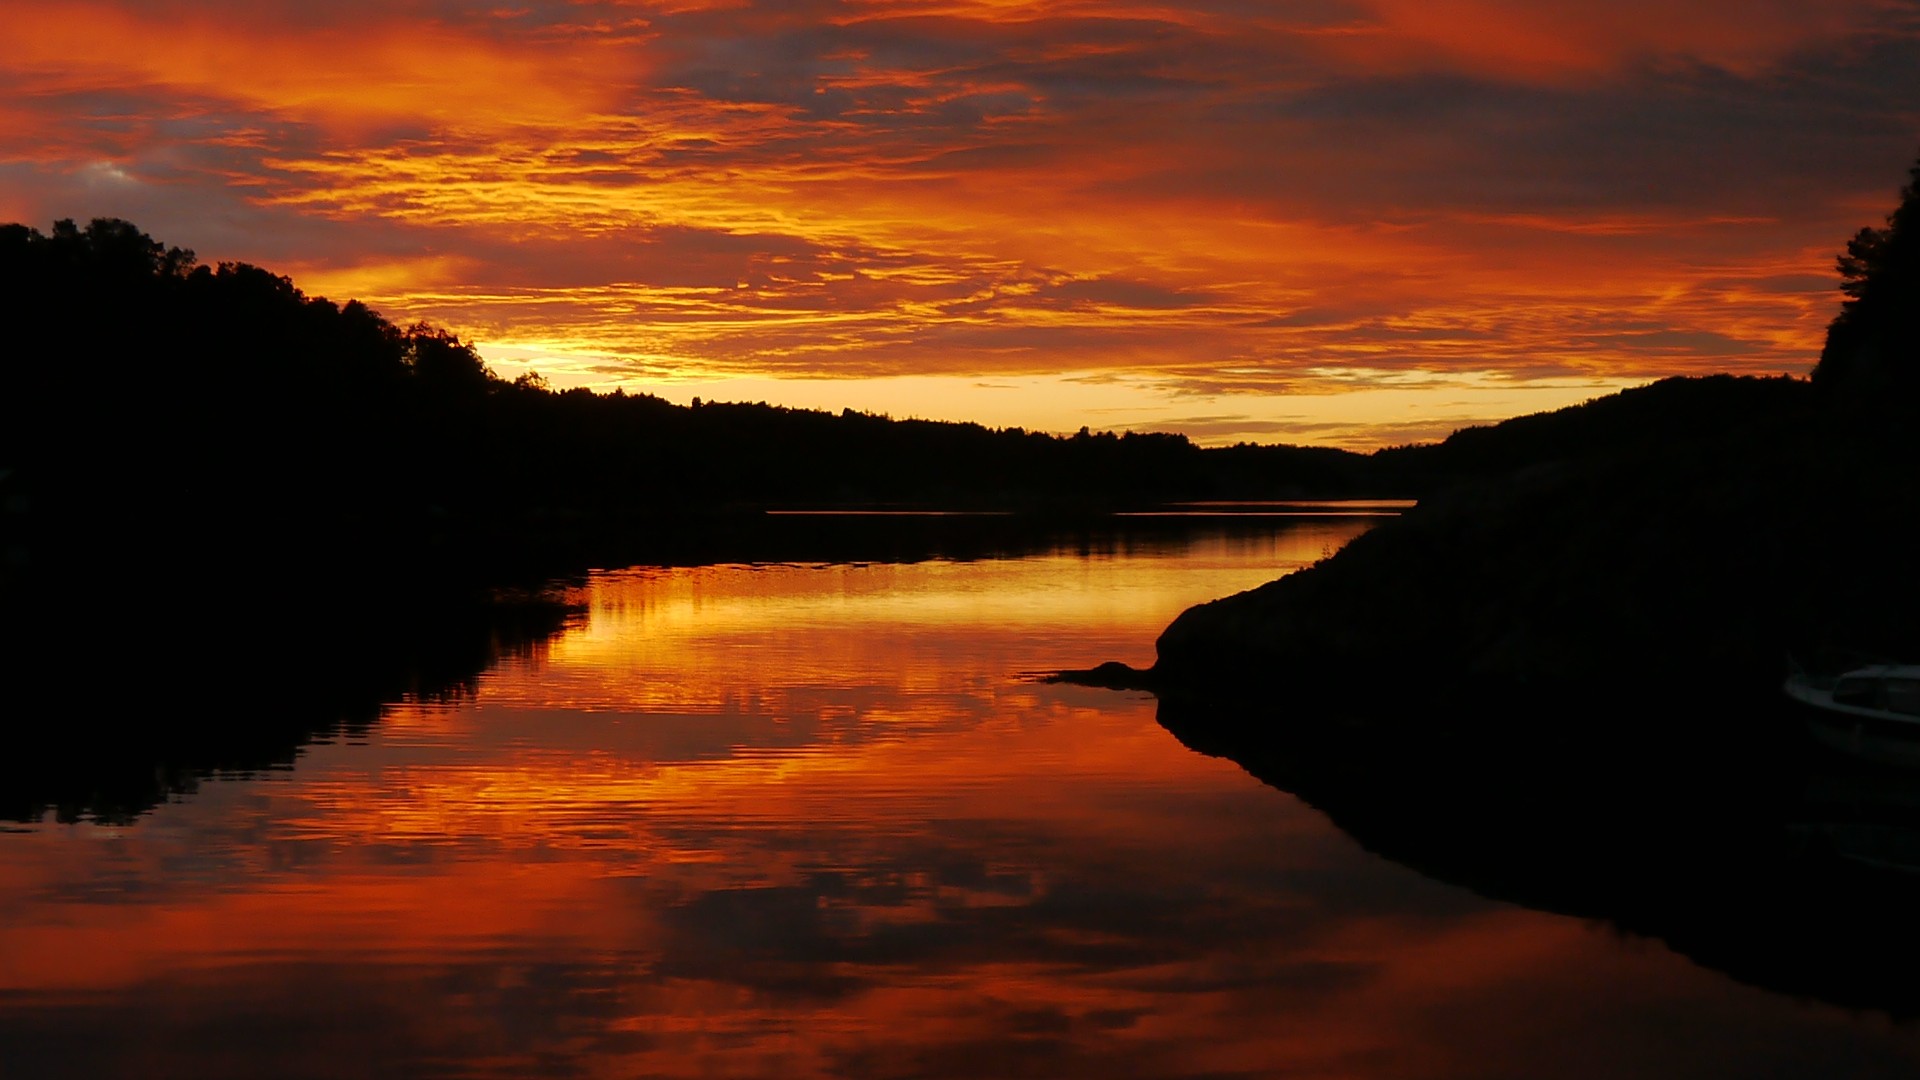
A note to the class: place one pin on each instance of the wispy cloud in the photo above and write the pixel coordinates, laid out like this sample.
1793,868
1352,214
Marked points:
1216,195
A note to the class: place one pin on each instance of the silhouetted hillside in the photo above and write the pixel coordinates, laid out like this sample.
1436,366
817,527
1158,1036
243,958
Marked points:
1674,542
1664,417
214,414
217,416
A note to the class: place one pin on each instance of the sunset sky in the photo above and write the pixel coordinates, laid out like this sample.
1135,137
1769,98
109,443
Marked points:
1352,222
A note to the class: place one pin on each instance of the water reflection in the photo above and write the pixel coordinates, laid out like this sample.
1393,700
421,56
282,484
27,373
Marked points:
110,722
1784,870
804,820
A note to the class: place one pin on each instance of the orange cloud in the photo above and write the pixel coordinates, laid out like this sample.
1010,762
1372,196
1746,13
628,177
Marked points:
1217,205
366,72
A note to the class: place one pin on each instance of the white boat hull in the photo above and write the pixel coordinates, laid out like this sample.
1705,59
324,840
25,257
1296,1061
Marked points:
1867,733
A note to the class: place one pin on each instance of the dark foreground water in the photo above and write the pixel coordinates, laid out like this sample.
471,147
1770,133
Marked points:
810,820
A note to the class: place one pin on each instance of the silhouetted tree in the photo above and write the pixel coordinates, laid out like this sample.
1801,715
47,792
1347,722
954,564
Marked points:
1874,343
441,360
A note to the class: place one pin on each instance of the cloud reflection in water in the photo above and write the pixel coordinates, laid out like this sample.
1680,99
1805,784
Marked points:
804,820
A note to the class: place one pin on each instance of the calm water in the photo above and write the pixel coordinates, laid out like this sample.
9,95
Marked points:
801,820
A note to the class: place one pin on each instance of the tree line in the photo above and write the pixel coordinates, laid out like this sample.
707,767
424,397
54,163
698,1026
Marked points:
158,403
161,393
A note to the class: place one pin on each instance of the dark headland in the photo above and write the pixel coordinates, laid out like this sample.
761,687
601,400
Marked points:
1557,681
1663,550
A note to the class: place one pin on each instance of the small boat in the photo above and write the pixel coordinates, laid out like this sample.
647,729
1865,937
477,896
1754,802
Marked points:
1872,713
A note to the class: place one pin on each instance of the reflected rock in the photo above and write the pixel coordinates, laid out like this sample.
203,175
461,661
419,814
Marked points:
1782,869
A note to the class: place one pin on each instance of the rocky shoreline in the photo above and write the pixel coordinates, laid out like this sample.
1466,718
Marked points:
1688,572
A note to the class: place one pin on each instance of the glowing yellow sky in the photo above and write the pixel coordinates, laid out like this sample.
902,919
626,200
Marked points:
1350,221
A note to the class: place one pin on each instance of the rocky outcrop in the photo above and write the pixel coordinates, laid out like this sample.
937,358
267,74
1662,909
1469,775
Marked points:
1693,568
1677,541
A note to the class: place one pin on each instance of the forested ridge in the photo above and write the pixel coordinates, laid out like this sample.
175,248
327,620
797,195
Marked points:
165,392
216,412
